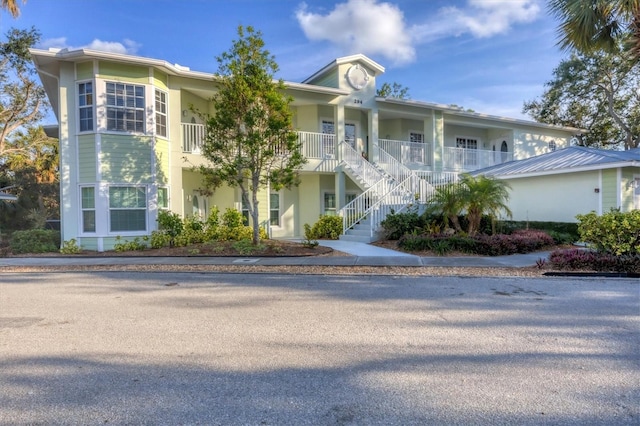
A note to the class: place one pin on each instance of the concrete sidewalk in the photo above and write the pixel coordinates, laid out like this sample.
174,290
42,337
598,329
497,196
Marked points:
361,254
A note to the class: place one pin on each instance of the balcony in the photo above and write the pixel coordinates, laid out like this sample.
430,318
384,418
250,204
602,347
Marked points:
408,153
463,159
192,137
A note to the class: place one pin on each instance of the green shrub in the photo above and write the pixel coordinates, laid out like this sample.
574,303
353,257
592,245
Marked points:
309,241
615,232
160,239
246,247
170,224
137,244
328,227
551,228
35,241
70,247
395,225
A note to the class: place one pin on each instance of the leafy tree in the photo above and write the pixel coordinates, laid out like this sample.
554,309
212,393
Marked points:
597,92
395,90
22,99
250,141
592,25
32,169
473,197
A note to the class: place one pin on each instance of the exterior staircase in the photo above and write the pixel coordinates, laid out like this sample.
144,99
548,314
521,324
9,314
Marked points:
389,186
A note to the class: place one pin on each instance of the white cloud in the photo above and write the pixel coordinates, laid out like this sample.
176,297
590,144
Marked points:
480,18
372,27
361,26
129,47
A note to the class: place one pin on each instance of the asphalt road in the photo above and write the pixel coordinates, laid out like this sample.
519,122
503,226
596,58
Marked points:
260,349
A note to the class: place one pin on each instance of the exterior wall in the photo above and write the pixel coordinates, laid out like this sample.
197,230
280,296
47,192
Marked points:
451,132
630,194
87,159
529,142
310,198
555,198
162,154
126,159
84,70
123,72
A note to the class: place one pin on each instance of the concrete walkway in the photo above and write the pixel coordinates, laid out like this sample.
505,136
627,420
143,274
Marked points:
361,254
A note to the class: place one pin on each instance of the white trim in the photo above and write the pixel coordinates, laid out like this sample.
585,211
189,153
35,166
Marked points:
599,194
619,187
81,231
635,187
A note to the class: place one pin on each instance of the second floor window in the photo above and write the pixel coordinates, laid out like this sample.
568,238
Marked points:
85,106
161,113
125,107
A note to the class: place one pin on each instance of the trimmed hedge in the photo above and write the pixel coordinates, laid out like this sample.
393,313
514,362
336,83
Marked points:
35,241
587,260
487,245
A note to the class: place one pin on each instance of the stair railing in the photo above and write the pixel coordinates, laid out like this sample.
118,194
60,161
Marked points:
354,161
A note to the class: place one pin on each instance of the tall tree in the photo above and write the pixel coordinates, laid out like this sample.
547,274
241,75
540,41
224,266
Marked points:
11,6
591,25
32,171
597,92
395,90
250,141
22,98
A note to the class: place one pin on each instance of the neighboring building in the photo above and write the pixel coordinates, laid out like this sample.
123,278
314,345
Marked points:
128,140
559,185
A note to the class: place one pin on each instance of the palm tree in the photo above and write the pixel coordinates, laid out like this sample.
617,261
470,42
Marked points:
589,25
448,200
11,6
483,195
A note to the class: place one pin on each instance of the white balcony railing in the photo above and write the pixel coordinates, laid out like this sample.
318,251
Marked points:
192,137
408,152
463,159
313,145
317,145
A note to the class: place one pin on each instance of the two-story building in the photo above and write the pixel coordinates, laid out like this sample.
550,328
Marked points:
129,140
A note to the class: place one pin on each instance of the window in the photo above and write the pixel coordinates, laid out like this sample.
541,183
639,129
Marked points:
161,113
127,208
125,107
416,152
88,204
552,146
328,146
163,198
274,209
85,106
330,202
466,143
468,156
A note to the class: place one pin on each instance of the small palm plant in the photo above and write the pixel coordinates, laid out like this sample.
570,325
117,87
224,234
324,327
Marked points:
483,195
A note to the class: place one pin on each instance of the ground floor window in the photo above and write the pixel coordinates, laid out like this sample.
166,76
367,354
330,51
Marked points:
88,203
274,209
330,202
163,198
127,208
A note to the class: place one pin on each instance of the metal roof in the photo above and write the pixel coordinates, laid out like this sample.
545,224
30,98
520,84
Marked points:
572,159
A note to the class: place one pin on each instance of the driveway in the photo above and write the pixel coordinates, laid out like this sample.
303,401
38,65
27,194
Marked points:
261,349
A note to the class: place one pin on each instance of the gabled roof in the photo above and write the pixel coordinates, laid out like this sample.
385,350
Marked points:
567,160
371,64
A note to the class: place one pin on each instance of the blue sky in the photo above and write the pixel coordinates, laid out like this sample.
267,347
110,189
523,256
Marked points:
487,55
